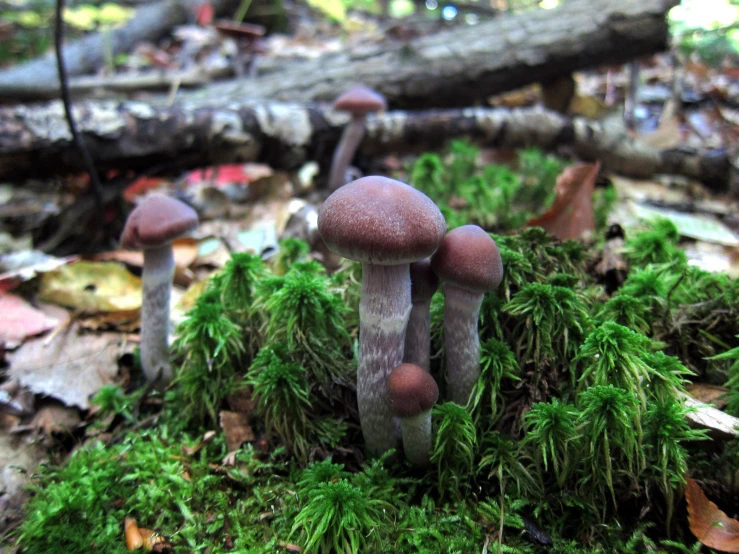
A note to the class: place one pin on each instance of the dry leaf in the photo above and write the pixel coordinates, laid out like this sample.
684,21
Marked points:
92,286
54,417
71,367
667,134
237,429
718,423
711,526
571,215
21,320
709,394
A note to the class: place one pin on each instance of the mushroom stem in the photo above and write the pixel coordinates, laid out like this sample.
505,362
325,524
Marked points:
417,438
418,336
383,317
461,312
347,147
157,285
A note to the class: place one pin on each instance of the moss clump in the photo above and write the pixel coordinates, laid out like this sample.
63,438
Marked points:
574,428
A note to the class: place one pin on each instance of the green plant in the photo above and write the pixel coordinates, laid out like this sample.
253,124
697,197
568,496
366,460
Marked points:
339,517
290,251
210,345
658,245
497,362
627,311
454,448
510,465
552,432
610,425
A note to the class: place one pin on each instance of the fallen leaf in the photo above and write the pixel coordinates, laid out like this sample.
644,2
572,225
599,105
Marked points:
71,367
712,527
18,267
701,227
709,394
92,286
184,250
237,429
571,215
718,423
668,133
53,417
21,320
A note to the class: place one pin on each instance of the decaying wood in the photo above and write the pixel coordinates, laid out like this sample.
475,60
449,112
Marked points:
462,66
124,135
38,78
452,68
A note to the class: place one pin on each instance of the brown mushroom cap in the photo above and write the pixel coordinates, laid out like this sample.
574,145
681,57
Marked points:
469,259
424,282
411,391
360,101
157,221
381,221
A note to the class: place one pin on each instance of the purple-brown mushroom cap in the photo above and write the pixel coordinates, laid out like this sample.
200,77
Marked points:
411,391
381,221
360,101
469,259
158,220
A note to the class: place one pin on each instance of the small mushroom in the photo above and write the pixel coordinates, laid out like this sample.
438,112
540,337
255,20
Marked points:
424,284
358,101
469,264
152,227
386,225
411,393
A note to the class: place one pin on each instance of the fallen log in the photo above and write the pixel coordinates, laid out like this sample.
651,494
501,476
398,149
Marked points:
35,141
457,67
38,78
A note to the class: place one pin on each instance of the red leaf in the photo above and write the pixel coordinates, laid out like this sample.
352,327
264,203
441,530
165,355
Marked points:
205,14
571,215
711,526
21,320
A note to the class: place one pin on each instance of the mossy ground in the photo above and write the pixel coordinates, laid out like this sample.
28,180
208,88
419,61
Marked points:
574,441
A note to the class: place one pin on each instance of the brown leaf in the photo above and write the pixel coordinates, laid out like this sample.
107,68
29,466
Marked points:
720,425
237,429
71,366
710,394
571,215
21,320
711,526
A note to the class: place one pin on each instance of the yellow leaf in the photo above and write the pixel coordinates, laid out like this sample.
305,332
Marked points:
83,17
113,14
92,286
335,9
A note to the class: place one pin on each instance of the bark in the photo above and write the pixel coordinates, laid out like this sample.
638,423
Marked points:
455,67
465,64
35,141
38,78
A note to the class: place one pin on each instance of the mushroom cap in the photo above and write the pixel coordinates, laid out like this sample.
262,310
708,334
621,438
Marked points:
381,221
469,259
360,101
158,220
424,282
411,391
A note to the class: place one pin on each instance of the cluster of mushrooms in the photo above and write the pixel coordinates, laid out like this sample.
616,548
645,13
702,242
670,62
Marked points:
399,236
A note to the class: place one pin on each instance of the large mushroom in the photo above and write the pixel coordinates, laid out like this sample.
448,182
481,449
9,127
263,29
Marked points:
469,264
411,393
424,284
152,227
386,225
358,101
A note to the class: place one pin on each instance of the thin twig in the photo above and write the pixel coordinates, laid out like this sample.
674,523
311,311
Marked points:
96,187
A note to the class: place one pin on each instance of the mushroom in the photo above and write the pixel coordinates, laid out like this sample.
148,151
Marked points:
151,227
386,225
469,264
411,393
424,284
358,101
